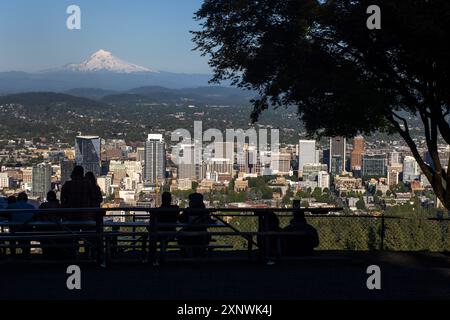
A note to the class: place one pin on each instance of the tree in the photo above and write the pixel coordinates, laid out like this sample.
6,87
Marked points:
343,78
360,204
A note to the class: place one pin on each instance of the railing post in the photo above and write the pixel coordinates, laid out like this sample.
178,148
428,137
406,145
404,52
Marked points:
382,232
99,234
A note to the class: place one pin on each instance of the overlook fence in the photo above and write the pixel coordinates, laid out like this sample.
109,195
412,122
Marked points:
119,230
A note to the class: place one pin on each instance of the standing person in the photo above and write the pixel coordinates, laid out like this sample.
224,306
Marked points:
78,193
96,202
23,218
97,198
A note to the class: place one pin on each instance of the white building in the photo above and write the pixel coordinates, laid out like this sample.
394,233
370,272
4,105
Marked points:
411,169
323,180
307,153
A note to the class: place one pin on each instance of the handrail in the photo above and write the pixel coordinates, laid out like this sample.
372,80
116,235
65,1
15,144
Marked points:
162,210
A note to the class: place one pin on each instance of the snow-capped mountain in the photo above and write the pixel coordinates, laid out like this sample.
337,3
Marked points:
103,60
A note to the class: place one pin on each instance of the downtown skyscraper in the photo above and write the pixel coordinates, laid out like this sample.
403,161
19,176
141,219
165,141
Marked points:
338,150
88,153
155,160
41,180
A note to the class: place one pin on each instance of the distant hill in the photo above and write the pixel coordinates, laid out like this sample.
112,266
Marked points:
90,93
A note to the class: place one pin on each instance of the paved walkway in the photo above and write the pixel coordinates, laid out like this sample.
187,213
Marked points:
329,275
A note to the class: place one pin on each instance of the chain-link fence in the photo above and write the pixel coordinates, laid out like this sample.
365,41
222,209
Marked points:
358,233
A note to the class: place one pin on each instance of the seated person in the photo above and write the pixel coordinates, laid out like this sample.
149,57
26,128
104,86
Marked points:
52,203
196,220
23,218
47,250
302,244
170,214
269,245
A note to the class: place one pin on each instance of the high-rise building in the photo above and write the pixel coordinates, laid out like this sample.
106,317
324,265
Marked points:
88,153
374,165
394,158
190,165
357,153
281,163
248,163
5,180
155,159
66,167
42,180
394,171
338,150
307,153
411,169
323,180
311,170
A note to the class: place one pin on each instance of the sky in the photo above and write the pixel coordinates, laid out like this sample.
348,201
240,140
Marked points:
151,33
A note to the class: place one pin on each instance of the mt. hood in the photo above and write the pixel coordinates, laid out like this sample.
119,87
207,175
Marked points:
103,60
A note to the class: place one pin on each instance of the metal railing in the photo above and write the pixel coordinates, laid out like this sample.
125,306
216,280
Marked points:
233,229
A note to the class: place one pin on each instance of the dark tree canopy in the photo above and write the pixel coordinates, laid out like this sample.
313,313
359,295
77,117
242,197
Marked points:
344,78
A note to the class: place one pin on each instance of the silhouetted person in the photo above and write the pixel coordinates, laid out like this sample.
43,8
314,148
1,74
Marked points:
170,214
52,203
78,193
23,218
197,220
269,245
304,243
97,198
9,201
48,245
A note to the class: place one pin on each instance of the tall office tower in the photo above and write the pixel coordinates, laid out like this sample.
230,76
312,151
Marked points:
394,158
338,150
190,164
357,153
307,153
393,173
155,159
411,170
248,162
140,154
219,165
66,170
42,180
280,163
88,153
374,165
224,150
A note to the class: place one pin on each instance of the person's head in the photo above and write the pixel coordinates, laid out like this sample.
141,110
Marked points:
299,217
90,176
166,199
77,173
51,196
22,197
12,199
196,200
